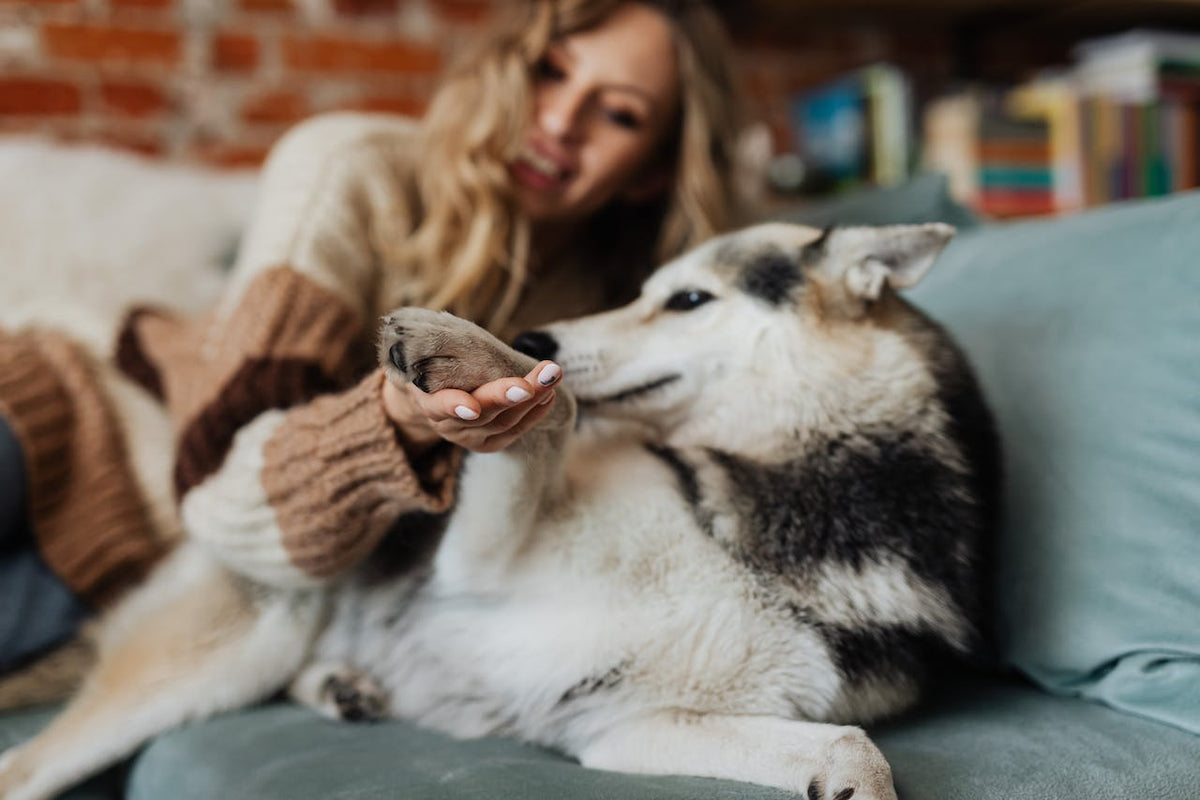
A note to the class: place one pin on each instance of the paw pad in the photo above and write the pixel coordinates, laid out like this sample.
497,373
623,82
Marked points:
353,699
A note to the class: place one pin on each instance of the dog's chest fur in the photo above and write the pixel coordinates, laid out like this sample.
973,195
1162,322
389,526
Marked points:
641,588
618,597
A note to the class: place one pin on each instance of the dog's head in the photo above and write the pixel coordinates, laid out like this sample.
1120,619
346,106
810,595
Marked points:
760,331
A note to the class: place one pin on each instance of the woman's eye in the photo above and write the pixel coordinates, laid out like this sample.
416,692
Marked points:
688,299
547,70
624,119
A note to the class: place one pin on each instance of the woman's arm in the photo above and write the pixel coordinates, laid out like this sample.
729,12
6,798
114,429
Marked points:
305,494
296,496
296,323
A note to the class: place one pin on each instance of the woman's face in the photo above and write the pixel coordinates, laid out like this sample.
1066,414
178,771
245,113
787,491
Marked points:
604,99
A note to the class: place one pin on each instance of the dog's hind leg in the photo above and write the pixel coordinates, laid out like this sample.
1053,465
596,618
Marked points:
815,760
192,642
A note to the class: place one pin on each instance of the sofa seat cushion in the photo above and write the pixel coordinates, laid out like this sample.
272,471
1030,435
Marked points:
986,740
1000,740
16,727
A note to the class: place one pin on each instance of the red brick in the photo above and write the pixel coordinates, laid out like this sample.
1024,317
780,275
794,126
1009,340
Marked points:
37,96
134,99
279,106
470,11
406,106
235,52
163,4
230,155
366,7
103,43
143,143
334,54
272,6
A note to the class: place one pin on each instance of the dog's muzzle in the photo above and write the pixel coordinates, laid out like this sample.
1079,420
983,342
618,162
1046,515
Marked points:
538,344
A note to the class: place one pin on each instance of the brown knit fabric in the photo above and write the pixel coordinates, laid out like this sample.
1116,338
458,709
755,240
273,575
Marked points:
130,357
287,341
337,479
88,515
33,400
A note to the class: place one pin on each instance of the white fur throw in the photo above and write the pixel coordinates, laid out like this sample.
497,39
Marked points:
85,232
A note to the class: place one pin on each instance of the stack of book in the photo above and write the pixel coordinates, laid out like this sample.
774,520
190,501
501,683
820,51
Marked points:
1122,123
857,129
999,162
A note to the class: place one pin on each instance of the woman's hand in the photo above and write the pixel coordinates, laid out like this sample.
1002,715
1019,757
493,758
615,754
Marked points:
487,420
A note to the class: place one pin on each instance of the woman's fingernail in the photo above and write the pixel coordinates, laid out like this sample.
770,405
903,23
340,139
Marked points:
516,394
466,413
549,374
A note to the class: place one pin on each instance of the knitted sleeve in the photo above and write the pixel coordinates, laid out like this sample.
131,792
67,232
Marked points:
331,479
88,514
280,486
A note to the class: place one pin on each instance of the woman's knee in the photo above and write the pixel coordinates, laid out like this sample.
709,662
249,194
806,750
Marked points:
37,611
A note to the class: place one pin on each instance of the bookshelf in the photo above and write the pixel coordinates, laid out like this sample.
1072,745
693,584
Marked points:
1004,95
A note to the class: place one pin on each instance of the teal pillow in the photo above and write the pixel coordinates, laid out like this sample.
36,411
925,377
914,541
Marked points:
924,198
1086,335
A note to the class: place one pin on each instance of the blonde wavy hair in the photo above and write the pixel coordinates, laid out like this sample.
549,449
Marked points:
470,251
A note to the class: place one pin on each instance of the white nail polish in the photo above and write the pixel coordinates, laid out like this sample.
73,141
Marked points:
516,395
466,413
549,374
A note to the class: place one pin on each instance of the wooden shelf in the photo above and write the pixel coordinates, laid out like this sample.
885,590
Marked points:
780,14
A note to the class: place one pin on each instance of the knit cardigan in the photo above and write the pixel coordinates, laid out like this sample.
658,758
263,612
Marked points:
286,467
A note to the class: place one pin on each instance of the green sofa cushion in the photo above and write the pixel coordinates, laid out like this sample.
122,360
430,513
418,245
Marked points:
1086,335
16,727
977,741
1005,740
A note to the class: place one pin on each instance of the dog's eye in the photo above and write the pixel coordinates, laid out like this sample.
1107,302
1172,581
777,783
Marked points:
687,300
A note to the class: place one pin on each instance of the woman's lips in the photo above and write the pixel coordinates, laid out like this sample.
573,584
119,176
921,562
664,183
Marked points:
527,173
540,170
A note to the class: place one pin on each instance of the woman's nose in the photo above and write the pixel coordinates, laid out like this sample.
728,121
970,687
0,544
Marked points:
560,112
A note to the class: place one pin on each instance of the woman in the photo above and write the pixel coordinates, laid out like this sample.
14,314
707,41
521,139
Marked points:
585,142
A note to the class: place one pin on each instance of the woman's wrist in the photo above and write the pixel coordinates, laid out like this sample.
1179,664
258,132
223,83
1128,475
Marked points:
413,428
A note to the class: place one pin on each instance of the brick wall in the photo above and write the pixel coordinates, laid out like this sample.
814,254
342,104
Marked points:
217,81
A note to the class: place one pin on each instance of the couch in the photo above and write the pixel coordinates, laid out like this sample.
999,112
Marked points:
1086,335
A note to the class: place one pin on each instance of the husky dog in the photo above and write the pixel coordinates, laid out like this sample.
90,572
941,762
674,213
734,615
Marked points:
767,524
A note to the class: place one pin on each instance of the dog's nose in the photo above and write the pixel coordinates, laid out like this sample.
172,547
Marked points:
538,344
396,354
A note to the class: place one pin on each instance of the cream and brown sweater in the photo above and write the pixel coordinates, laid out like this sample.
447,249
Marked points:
286,467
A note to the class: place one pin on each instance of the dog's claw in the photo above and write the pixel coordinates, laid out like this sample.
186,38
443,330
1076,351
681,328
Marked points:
354,698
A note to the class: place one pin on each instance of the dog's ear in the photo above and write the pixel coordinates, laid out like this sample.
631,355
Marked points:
892,255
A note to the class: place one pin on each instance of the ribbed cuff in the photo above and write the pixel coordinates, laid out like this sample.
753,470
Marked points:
337,477
87,511
38,408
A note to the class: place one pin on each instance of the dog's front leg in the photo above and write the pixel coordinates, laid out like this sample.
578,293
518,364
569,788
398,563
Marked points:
191,642
815,760
500,494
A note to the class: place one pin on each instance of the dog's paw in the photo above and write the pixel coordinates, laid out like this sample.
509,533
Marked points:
437,350
852,769
352,697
